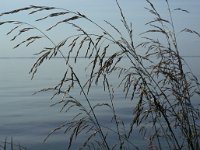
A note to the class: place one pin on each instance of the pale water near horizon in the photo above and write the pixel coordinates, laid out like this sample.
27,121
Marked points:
29,118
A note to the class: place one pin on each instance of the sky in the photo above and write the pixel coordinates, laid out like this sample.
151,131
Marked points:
100,10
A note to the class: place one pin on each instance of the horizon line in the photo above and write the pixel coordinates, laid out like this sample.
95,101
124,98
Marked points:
34,57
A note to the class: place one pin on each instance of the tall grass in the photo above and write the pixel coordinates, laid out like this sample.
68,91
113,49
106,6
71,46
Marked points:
155,79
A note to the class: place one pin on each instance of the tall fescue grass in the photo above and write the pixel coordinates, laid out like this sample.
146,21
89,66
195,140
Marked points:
155,79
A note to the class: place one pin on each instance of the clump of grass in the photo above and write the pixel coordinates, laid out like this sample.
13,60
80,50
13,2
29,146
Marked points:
161,89
9,145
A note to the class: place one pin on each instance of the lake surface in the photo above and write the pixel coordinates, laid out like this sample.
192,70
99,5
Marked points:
29,118
26,117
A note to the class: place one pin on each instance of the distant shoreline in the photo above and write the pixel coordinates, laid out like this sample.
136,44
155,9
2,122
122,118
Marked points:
27,57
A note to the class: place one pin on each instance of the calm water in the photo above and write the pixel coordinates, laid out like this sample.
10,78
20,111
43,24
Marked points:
26,117
29,118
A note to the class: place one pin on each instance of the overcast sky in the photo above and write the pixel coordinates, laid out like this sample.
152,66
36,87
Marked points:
100,10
